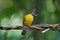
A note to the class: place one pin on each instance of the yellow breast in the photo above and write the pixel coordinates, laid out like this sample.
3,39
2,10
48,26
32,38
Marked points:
28,19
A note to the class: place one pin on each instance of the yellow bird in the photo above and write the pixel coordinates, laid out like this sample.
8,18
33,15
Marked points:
28,20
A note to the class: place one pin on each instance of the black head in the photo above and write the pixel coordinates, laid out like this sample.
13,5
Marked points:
33,12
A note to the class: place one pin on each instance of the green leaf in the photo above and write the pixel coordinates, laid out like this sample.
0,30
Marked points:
17,19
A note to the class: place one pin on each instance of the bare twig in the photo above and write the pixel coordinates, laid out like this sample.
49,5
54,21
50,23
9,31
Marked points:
33,27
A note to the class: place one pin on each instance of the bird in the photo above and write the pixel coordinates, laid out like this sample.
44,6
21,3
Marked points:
28,20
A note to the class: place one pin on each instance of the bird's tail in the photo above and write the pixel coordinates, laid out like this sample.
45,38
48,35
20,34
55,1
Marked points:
23,32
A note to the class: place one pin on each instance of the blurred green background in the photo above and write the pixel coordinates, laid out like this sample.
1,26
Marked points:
12,14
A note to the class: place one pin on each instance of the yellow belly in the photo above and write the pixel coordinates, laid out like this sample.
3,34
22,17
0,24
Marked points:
28,19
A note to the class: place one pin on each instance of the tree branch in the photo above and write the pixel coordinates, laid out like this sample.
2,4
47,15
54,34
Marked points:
33,27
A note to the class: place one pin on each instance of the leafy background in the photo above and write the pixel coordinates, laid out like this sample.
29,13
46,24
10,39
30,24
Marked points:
12,13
